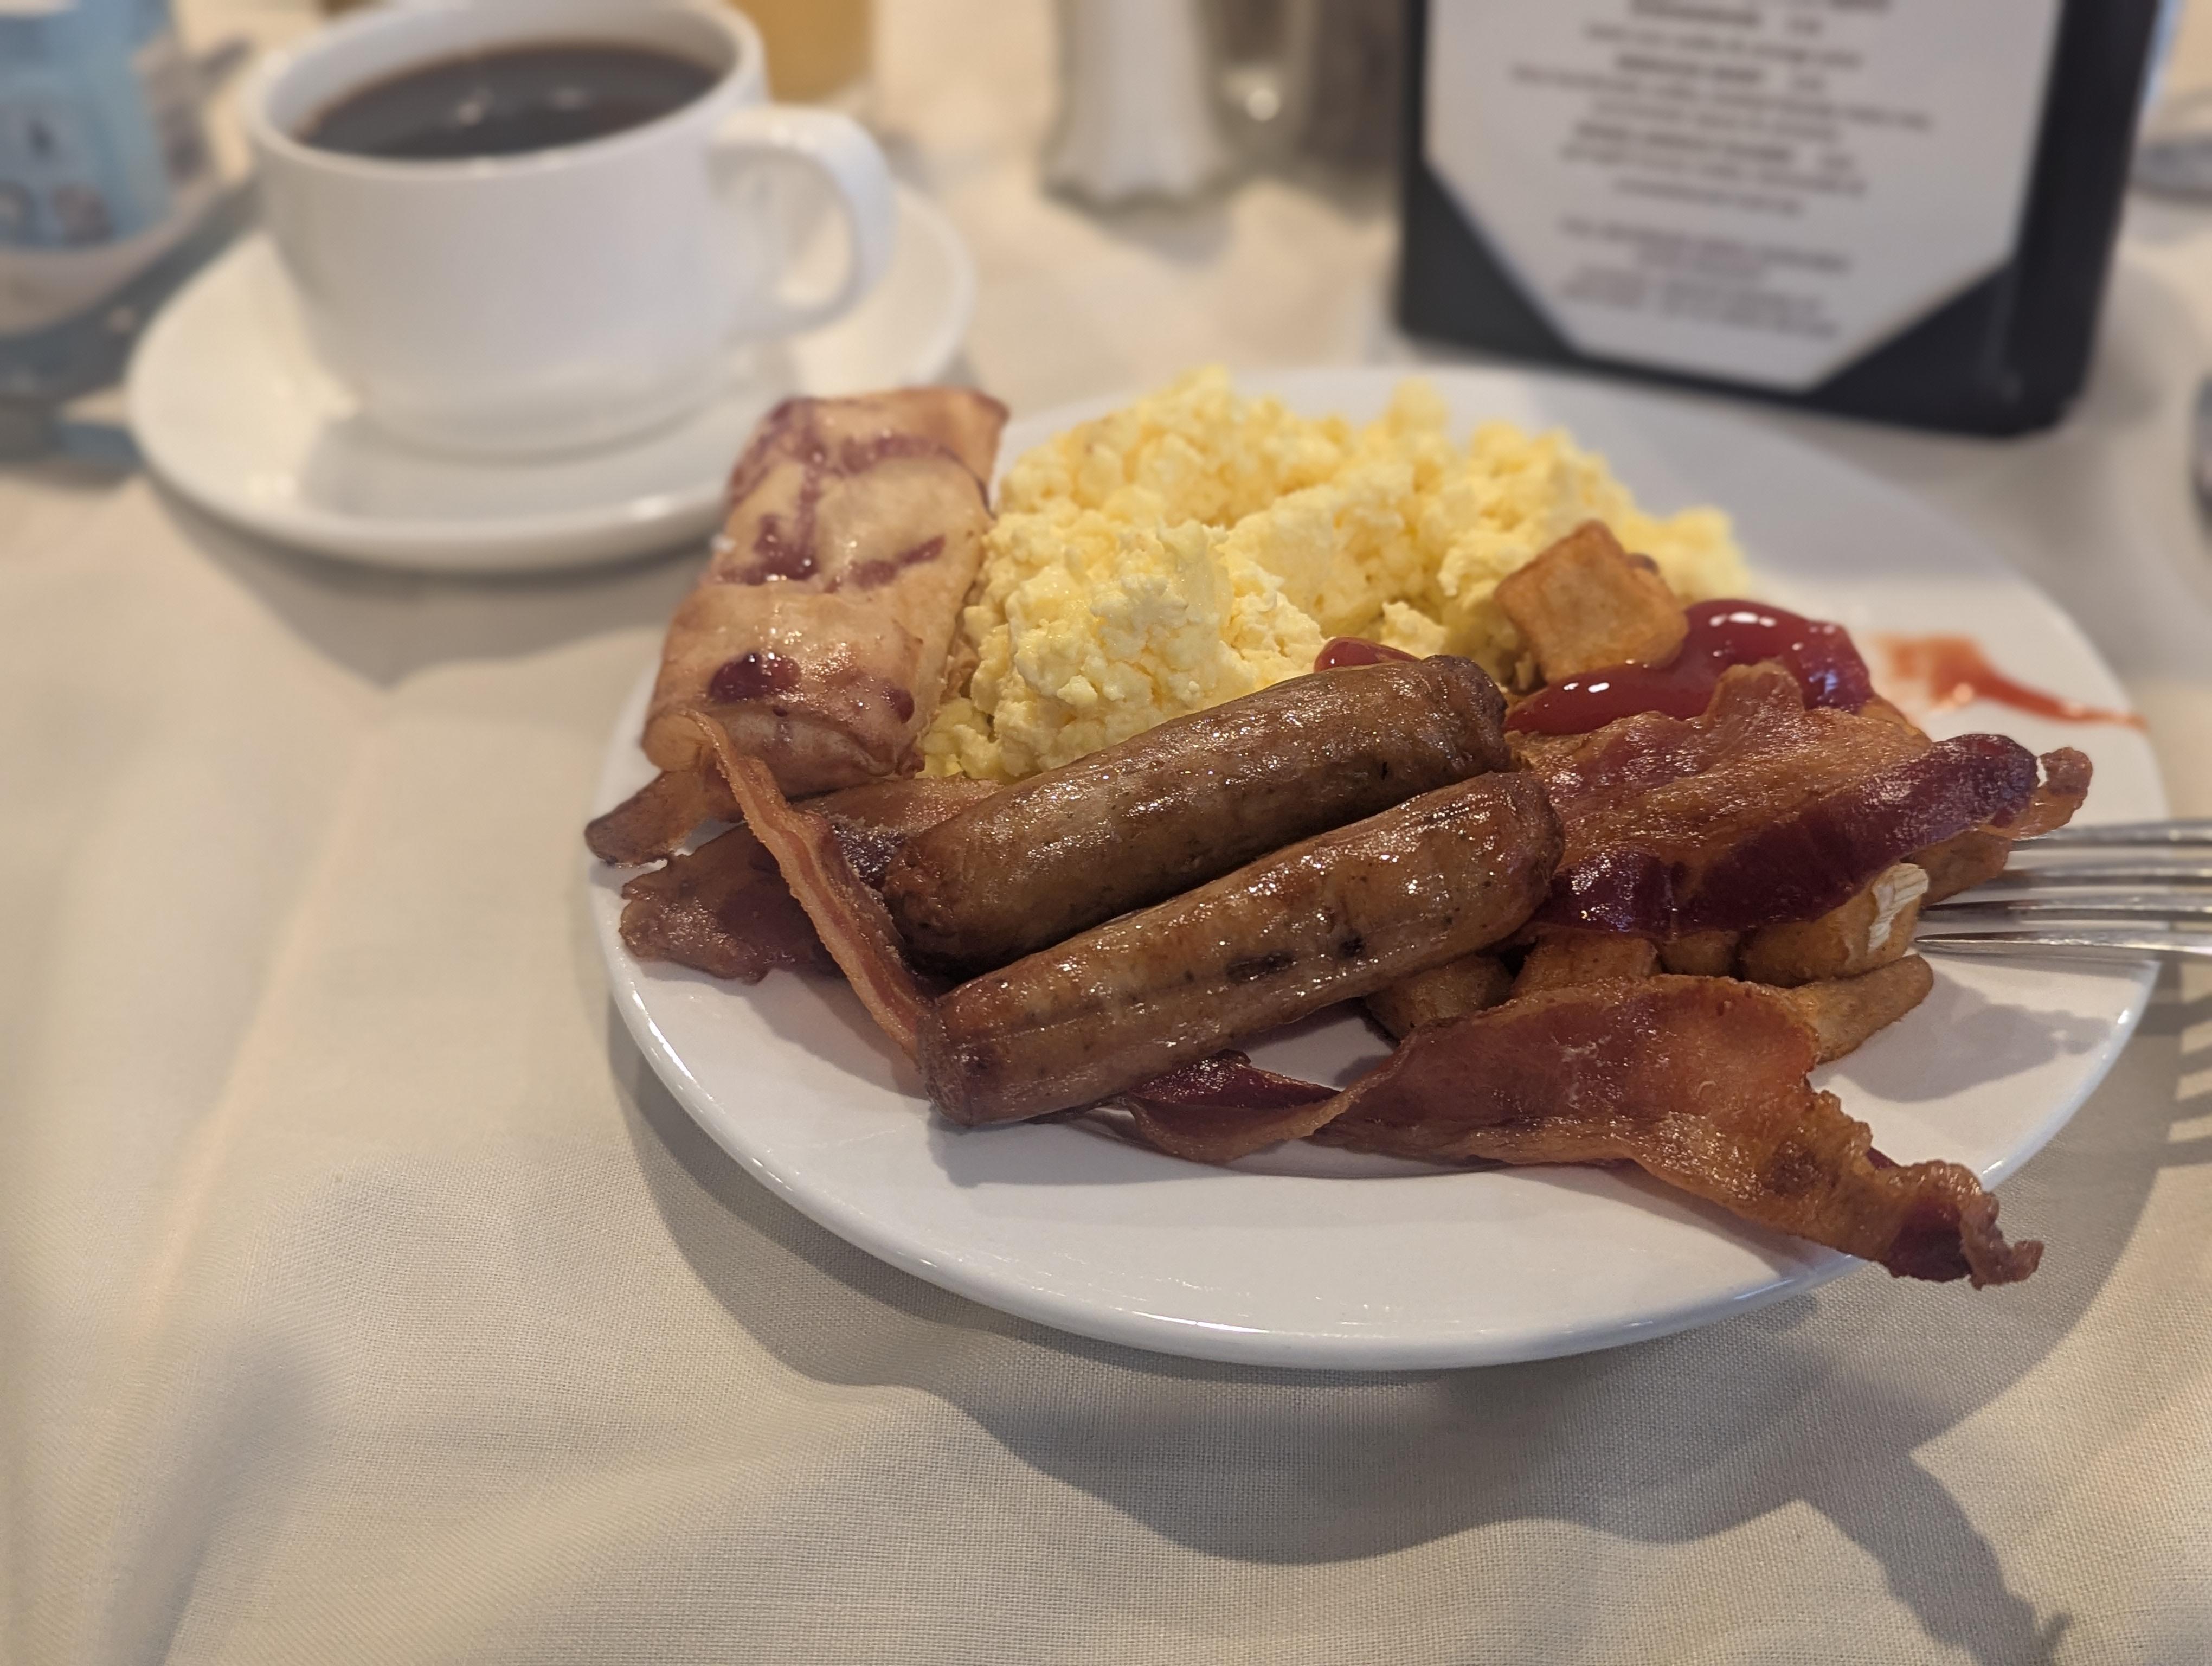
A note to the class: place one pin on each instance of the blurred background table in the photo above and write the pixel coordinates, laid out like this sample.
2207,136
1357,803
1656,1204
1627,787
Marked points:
366,1298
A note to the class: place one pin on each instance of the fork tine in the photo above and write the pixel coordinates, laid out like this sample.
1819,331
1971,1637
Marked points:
2155,918
2185,876
2148,906
2190,835
2076,945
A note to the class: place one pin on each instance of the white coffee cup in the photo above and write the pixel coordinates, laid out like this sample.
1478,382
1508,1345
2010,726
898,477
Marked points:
569,297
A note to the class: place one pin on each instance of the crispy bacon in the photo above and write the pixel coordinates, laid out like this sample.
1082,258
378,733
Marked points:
1700,1082
1818,859
849,916
1760,812
656,819
1225,1107
2065,788
724,908
1979,854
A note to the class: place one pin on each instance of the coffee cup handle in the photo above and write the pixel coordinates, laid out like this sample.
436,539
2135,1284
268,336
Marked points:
839,150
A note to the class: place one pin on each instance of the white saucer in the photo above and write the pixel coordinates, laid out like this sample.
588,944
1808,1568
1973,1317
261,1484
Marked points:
232,409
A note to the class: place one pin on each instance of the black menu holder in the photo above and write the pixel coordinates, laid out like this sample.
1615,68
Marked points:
2004,354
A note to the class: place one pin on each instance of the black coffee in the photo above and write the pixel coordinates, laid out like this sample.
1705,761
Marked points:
507,103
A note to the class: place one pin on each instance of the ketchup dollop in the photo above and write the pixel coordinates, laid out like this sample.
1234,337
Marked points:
1819,655
1355,651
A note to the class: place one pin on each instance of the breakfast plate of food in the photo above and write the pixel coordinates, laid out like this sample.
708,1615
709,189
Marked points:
1336,871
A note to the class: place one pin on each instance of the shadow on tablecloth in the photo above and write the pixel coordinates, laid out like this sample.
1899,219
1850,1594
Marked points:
1822,1399
385,625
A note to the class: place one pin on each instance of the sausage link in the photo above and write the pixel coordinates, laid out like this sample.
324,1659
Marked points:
1187,801
1338,917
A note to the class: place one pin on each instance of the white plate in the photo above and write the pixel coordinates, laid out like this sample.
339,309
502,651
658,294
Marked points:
1305,1257
231,408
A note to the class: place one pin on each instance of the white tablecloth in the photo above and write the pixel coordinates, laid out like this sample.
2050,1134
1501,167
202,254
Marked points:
365,1298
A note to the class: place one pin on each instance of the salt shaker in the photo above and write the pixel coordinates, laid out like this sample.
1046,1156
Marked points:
1137,99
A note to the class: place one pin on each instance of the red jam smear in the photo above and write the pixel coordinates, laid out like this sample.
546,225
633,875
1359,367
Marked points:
753,675
1953,671
1341,651
1819,655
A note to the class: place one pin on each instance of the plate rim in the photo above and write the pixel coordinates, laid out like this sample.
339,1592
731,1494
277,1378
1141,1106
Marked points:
1282,1348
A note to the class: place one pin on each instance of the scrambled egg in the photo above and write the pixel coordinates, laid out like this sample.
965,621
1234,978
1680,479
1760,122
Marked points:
1198,545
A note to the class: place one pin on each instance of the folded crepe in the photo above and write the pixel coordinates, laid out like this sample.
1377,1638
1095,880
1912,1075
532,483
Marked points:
819,636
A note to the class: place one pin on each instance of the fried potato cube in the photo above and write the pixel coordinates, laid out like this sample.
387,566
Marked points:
1561,960
1586,603
1441,993
1844,1011
1701,954
1874,928
1974,858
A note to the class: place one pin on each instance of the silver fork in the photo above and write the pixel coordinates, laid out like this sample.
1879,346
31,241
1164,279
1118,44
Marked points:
2110,893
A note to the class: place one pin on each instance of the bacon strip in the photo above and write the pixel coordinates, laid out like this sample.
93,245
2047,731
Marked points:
1819,858
1979,854
2065,789
1700,1082
658,818
1225,1107
724,908
849,916
1760,813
